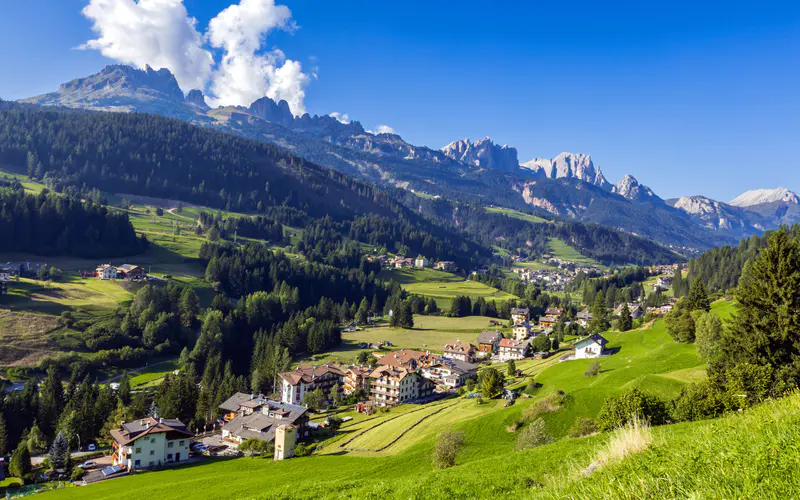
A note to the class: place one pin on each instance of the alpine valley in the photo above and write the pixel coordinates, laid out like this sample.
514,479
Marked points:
567,187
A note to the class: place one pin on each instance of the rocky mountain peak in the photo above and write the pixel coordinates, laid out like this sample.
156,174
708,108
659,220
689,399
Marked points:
630,189
275,112
570,166
483,153
761,196
196,98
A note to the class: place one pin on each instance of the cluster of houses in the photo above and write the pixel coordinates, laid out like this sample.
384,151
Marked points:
421,262
556,278
127,271
663,283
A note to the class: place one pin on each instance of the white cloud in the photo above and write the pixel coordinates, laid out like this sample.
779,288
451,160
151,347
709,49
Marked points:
155,32
341,117
162,34
382,129
244,74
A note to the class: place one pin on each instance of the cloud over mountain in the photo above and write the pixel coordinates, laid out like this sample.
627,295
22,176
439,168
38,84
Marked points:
161,33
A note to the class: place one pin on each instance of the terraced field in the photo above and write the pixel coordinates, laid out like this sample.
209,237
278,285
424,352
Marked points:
443,292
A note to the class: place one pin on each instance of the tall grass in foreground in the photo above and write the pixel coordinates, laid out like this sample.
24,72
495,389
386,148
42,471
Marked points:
633,437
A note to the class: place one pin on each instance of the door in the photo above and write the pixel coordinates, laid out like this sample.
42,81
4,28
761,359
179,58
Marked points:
177,457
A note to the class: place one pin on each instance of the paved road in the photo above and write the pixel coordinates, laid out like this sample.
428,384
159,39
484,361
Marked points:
77,455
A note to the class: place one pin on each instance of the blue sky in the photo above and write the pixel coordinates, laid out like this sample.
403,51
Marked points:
690,99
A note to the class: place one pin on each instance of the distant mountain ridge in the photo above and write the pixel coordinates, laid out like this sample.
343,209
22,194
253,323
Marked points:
569,185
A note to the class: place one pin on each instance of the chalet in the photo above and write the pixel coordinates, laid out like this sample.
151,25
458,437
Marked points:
584,318
446,265
592,346
402,263
421,261
391,385
450,373
296,383
106,272
462,351
520,314
131,272
150,442
554,311
509,349
356,378
406,358
254,416
521,330
548,321
487,342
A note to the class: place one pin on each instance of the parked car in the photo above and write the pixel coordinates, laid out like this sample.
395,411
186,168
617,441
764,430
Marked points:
91,447
88,464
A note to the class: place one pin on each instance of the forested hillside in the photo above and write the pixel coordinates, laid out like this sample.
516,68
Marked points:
51,224
721,267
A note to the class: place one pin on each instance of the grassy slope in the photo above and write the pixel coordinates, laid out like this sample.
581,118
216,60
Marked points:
488,467
561,250
516,214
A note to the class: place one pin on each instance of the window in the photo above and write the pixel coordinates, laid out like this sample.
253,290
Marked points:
138,450
181,443
152,463
169,457
152,440
137,463
152,452
169,445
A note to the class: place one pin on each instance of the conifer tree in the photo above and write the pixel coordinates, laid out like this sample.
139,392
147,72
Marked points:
59,452
697,300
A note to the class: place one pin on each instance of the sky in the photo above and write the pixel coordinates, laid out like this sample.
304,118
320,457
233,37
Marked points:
690,97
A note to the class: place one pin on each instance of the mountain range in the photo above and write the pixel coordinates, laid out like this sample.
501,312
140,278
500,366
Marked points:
567,186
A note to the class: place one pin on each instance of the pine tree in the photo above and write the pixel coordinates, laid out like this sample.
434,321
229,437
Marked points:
59,452
20,463
599,313
698,297
625,319
512,368
3,436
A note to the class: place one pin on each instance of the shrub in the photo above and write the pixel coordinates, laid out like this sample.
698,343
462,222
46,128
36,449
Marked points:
593,370
20,463
583,427
447,446
549,404
257,447
77,473
617,412
635,436
303,450
700,401
533,435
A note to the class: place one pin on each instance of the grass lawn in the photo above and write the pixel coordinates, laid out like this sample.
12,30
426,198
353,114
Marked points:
429,333
153,375
89,295
409,276
444,292
561,250
516,214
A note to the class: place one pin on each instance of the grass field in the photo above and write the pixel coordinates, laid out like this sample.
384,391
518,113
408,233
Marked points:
153,375
561,250
444,292
429,333
410,276
516,214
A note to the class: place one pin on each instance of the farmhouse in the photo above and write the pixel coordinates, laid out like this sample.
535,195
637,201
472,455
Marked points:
251,416
584,318
391,385
450,373
402,263
461,351
521,330
130,272
355,378
149,443
554,311
296,383
106,272
520,314
592,346
487,342
548,321
446,265
421,261
509,349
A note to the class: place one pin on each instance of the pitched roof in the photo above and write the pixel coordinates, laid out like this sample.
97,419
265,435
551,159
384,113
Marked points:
595,337
458,347
262,424
488,337
309,374
234,402
131,431
391,371
520,310
402,357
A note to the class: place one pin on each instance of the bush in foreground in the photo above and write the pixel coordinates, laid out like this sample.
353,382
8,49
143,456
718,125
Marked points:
593,370
617,412
533,435
584,427
447,446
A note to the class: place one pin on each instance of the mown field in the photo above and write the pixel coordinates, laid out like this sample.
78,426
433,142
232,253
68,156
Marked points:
444,292
517,214
561,250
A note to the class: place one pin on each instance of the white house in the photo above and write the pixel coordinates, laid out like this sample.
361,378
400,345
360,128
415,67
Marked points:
106,272
149,443
462,351
296,383
450,373
592,346
520,314
421,261
509,349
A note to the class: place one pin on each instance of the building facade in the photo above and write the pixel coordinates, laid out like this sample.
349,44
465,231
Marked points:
150,442
303,379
